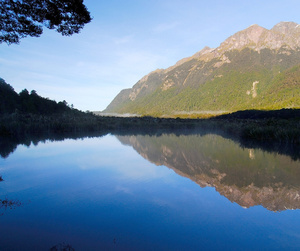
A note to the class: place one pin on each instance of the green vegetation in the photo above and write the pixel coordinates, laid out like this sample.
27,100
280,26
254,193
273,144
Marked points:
279,132
26,118
267,80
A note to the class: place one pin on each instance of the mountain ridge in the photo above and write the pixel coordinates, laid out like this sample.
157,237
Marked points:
254,57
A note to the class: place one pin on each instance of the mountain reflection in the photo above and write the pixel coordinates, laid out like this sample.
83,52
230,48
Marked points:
248,177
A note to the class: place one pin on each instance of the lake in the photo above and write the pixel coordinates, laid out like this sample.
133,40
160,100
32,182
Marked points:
148,192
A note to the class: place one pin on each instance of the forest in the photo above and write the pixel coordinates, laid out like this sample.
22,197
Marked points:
27,117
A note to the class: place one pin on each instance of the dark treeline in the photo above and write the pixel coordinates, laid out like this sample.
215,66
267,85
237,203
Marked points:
25,102
28,113
262,114
27,118
278,136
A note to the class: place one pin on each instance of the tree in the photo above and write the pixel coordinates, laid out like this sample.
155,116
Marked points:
8,98
34,93
24,93
22,18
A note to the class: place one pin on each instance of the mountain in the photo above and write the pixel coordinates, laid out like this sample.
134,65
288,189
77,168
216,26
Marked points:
255,68
246,176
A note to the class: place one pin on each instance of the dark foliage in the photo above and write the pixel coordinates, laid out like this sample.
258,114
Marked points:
273,135
8,98
22,18
261,114
27,118
11,102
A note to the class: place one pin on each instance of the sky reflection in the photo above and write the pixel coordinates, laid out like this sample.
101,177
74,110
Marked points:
99,194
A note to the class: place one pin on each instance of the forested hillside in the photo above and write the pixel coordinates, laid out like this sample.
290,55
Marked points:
254,69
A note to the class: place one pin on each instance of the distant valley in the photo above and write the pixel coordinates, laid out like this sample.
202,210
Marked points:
255,68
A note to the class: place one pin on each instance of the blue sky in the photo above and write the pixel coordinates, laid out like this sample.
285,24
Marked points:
125,41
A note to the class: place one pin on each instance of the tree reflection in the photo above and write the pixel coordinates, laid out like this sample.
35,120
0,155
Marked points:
9,144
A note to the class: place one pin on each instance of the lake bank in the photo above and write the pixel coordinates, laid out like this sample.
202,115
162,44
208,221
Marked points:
277,131
280,125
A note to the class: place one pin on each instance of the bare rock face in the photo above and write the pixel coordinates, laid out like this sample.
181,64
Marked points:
286,28
249,37
254,37
290,32
257,38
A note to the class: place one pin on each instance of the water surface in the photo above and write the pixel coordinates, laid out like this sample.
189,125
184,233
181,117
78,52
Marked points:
141,192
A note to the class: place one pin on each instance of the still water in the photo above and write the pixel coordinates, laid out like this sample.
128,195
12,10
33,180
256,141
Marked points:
141,192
